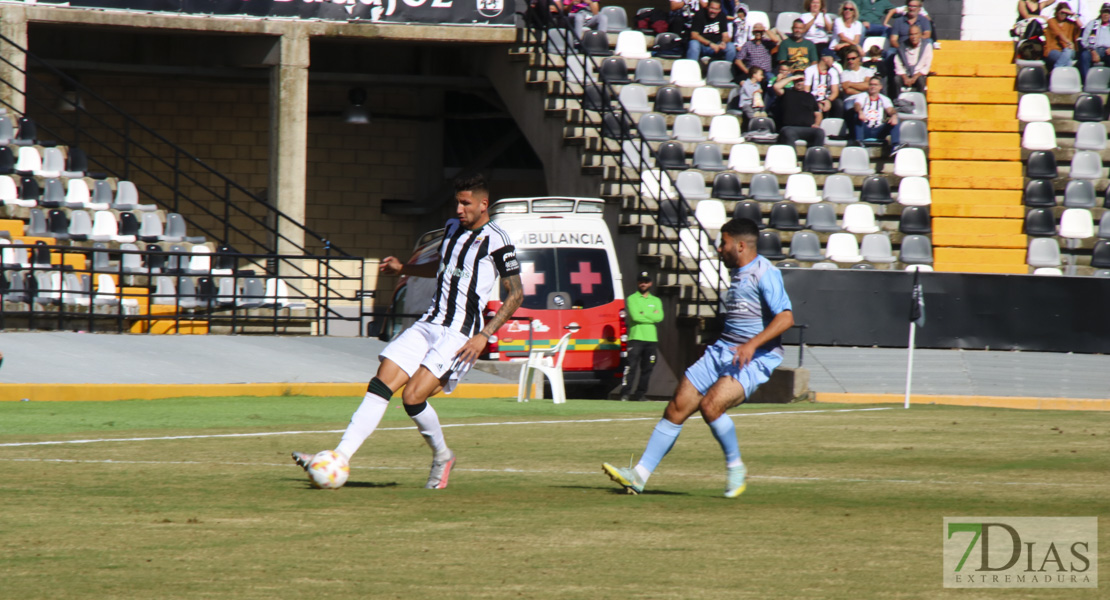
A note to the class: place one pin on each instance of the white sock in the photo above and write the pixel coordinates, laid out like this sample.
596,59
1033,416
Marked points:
642,472
427,421
363,423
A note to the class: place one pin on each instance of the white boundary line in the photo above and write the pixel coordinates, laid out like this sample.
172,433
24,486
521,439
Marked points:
491,424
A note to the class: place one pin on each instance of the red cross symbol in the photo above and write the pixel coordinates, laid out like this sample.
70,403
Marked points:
530,278
585,278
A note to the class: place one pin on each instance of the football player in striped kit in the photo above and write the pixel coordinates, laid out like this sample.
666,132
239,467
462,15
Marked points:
438,350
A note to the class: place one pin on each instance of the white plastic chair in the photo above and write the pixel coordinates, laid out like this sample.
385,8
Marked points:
632,44
860,218
53,163
785,21
29,160
9,193
691,184
1049,271
910,162
1043,252
77,194
688,128
657,184
1034,108
856,161
1090,136
914,191
802,188
744,158
920,110
706,101
634,98
694,243
839,189
876,248
843,247
1065,80
711,214
782,159
833,127
1039,136
686,73
725,129
758,16
549,362
1077,224
1086,164
873,42
712,273
633,152
200,263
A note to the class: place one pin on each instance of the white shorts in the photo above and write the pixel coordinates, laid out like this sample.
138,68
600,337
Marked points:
430,346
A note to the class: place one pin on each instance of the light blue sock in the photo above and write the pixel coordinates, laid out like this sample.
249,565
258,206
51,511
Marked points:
659,444
725,432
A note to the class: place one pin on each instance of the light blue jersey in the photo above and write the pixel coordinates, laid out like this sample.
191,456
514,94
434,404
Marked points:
755,295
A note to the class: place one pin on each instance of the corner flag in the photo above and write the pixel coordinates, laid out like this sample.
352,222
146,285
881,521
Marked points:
917,302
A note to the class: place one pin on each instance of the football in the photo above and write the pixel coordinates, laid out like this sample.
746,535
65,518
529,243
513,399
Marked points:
328,470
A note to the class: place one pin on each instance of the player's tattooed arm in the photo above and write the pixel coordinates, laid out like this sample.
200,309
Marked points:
514,298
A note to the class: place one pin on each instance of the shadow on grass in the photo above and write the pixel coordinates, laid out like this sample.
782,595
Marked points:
371,484
620,492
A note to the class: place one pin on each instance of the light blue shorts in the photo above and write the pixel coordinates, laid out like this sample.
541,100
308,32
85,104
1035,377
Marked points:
717,363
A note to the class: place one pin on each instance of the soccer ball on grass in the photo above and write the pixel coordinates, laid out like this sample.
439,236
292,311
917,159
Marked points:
328,470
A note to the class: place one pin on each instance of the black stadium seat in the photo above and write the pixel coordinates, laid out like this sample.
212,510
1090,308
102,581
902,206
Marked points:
672,213
784,217
668,100
1040,222
876,190
727,186
616,126
1032,80
1100,256
915,219
749,210
1088,107
769,246
1039,193
596,43
614,70
671,155
596,97
1041,165
669,45
818,160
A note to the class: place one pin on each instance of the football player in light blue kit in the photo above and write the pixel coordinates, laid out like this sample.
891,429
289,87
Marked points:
758,312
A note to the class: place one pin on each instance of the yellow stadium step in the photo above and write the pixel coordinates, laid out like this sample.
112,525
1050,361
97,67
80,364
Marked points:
974,145
976,174
978,240
991,85
976,47
1006,269
961,69
14,227
1004,204
980,260
965,153
1001,118
970,226
970,95
981,211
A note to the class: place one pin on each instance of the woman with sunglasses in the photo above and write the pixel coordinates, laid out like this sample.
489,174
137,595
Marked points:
818,24
848,30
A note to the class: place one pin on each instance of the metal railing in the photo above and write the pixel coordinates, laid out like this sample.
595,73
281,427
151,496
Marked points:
579,72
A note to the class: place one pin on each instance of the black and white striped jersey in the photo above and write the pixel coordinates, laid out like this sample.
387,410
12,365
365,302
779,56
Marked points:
470,263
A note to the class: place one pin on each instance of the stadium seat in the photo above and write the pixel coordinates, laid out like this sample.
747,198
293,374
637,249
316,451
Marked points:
1080,193
920,110
130,262
876,248
53,194
27,133
863,266
671,156
1077,224
668,100
655,183
1039,192
914,191
1041,165
785,21
806,246
686,73
15,289
1088,108
653,127
558,41
1032,80
706,101
1098,80
766,124
712,274
825,266
57,225
1040,222
818,160
916,249
749,210
636,154
856,161
691,186
1049,271
9,193
200,263
910,162
634,99
128,228
104,227
7,161
48,288
727,186
764,187
843,247
914,134
822,218
80,225
877,41
77,163
769,246
1104,226
29,189
650,72
707,157
1090,136
711,215
672,213
77,194
781,160
669,45
719,75
1102,273
744,158
596,43
251,291
7,130
840,189
596,98
1100,256
1043,252
29,161
725,129
835,132
1064,80
53,163
616,126
632,45
1039,136
36,223
784,217
614,71
859,218
1034,108
695,244
802,188
1086,164
915,219
616,18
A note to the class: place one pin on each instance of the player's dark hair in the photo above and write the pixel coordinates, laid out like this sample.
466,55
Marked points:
745,229
471,182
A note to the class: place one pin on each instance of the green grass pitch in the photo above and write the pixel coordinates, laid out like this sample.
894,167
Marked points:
839,504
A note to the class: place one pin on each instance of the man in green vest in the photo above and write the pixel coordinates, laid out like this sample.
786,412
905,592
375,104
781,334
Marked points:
644,311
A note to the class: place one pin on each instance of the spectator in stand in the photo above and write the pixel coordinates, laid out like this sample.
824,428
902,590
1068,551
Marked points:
1031,9
796,50
757,52
875,117
771,97
1095,41
682,14
818,24
1060,37
709,38
900,27
581,13
847,31
738,25
913,61
798,113
854,80
874,14
823,82
751,95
